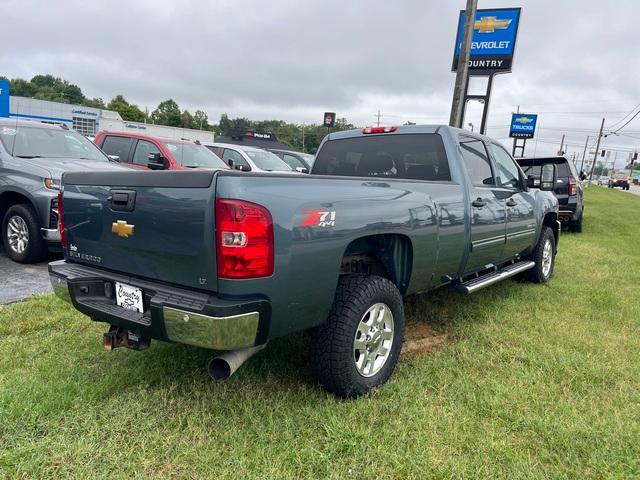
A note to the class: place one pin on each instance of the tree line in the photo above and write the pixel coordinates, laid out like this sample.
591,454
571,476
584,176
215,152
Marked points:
301,137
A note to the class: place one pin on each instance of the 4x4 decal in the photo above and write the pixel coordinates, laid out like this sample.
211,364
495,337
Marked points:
319,218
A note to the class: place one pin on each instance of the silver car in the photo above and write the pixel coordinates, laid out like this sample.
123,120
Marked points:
249,159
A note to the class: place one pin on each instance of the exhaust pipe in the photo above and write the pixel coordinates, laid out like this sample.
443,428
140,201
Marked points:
222,367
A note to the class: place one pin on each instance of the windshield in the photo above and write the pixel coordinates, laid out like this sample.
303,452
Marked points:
267,161
194,156
34,142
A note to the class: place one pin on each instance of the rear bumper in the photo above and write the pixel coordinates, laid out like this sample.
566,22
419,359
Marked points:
170,313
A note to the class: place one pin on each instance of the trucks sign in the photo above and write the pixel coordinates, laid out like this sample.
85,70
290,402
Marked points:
523,125
493,42
4,98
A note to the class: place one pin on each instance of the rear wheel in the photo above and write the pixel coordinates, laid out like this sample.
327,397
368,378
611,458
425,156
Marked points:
576,226
21,235
544,256
357,348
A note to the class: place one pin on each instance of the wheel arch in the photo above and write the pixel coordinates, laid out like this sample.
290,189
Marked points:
10,198
551,220
389,255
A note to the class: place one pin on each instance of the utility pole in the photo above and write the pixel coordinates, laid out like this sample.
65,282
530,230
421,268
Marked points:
303,137
462,71
378,115
584,152
595,155
561,152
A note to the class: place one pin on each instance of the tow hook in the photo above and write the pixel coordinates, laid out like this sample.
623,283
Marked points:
119,337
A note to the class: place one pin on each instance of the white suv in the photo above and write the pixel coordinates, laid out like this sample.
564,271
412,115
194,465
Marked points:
249,159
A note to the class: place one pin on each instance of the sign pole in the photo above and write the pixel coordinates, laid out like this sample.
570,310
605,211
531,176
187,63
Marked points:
462,70
595,156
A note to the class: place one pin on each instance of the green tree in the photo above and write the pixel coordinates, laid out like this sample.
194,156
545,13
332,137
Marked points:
167,113
94,102
127,111
201,120
186,119
22,88
227,124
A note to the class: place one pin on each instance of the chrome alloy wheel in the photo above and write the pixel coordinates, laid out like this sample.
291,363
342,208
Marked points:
547,258
17,234
373,340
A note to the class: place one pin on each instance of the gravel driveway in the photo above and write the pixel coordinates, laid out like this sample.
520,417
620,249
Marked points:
18,281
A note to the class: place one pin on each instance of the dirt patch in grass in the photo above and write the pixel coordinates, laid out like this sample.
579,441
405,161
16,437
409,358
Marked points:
420,337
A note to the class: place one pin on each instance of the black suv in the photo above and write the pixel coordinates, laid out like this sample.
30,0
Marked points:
568,188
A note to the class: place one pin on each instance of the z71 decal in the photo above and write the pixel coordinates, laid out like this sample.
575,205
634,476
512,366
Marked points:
319,218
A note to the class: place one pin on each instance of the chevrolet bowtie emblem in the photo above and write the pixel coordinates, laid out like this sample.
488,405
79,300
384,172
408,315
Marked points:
122,228
491,24
524,120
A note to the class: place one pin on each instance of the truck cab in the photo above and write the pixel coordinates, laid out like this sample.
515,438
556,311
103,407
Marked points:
156,153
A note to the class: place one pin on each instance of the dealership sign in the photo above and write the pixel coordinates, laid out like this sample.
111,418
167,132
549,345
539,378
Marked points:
523,125
493,42
329,119
4,98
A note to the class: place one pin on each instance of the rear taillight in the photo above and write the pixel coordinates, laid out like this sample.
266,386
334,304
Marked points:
379,129
573,187
61,229
244,238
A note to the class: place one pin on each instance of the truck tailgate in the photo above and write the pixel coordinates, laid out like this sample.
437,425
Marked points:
156,225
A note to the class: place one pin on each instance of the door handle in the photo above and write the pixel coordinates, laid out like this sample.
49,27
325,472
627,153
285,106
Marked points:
511,203
122,200
478,203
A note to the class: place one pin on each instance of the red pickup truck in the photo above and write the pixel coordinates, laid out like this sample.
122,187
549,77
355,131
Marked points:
156,153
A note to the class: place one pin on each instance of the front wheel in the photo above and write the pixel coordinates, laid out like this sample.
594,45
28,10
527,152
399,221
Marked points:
357,348
544,256
21,235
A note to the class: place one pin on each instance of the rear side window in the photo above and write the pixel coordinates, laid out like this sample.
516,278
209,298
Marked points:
476,161
119,146
292,161
409,156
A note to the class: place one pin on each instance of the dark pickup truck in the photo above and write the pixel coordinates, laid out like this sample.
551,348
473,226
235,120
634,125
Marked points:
229,260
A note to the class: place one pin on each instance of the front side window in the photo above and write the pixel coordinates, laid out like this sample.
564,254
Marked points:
34,142
143,149
407,156
508,171
292,161
476,161
235,157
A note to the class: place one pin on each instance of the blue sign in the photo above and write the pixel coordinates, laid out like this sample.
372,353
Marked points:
523,125
493,42
4,98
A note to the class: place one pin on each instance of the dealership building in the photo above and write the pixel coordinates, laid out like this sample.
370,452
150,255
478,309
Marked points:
87,120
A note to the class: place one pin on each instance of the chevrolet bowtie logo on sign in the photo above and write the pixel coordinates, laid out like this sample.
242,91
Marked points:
493,40
491,24
523,120
122,228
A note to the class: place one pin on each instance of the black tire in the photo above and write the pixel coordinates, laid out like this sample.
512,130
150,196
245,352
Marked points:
333,356
539,273
36,247
577,225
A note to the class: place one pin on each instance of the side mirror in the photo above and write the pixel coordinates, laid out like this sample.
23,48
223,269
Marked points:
533,181
242,168
155,161
548,177
114,158
302,170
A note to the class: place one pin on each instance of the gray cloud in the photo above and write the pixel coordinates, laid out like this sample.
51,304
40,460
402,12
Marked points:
293,60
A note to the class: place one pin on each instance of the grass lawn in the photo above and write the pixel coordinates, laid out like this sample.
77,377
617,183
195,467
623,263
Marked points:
532,382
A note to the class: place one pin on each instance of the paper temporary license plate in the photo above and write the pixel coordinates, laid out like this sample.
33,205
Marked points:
129,297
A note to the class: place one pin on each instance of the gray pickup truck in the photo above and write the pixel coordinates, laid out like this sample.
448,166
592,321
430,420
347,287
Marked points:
229,260
33,157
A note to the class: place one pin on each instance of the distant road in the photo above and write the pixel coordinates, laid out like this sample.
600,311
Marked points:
19,281
635,189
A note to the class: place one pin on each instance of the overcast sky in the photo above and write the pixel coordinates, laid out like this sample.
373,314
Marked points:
575,62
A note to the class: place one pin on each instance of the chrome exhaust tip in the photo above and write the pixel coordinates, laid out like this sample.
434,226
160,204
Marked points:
222,367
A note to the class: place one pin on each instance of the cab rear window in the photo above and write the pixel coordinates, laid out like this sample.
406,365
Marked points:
408,156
